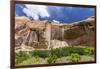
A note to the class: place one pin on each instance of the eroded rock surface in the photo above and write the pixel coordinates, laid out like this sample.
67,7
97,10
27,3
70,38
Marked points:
45,34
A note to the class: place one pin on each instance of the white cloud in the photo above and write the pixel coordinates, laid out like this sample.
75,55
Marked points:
55,21
35,11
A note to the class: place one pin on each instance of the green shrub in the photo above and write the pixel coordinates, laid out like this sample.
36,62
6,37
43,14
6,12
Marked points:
53,54
88,51
31,61
37,57
74,57
60,52
21,56
40,53
66,51
76,50
51,59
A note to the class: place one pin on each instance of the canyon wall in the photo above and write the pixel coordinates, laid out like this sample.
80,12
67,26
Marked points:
46,34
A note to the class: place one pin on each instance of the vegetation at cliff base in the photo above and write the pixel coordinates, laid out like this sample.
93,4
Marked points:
59,55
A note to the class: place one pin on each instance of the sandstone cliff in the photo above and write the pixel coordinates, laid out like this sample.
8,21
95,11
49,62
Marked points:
45,34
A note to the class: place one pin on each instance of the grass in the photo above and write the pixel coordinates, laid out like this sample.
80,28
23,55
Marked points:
33,60
59,55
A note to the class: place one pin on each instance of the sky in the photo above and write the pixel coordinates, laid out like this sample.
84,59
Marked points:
58,14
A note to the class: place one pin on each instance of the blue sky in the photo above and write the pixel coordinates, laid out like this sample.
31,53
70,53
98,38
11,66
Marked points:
58,14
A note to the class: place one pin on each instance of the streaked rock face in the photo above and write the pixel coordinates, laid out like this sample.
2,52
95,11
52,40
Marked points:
45,34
